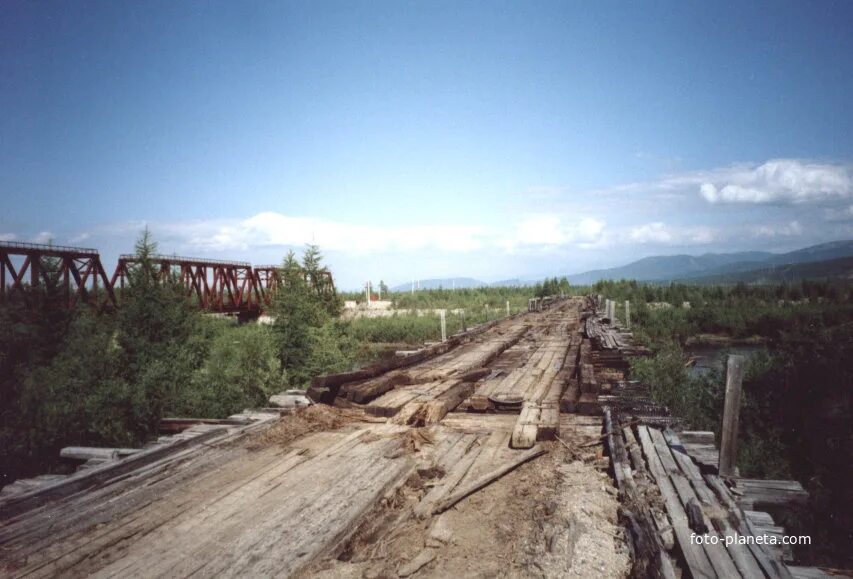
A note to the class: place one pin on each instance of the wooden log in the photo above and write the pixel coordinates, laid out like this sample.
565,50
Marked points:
325,388
569,400
526,427
173,425
588,405
549,423
289,400
90,452
589,385
366,391
474,375
731,411
437,409
487,479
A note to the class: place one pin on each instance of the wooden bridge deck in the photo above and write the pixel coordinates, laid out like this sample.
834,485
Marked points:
413,482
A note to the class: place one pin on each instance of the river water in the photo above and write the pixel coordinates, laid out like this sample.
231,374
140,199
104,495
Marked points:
710,358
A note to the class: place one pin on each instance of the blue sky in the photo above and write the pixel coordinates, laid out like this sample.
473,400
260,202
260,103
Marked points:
431,139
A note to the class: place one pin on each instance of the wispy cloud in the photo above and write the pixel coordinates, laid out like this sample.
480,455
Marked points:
791,229
839,213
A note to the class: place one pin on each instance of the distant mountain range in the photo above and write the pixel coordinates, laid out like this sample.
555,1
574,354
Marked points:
665,267
831,260
828,269
724,266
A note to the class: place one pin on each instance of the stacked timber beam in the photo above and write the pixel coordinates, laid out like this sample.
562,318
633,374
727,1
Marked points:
609,339
692,503
421,388
682,468
540,414
444,383
372,381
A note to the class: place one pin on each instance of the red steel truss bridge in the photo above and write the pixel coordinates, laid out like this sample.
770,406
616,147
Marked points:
230,287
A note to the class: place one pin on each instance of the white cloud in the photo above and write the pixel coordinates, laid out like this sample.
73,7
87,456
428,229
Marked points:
540,230
43,237
590,229
651,232
550,230
661,233
80,238
778,181
276,229
8,237
791,229
272,229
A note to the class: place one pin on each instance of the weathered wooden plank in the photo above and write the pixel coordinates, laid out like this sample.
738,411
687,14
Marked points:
694,555
649,556
438,493
770,564
740,554
22,503
488,479
717,554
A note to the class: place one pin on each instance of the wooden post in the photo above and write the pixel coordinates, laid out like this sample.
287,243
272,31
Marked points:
627,315
731,410
464,325
507,307
367,294
443,326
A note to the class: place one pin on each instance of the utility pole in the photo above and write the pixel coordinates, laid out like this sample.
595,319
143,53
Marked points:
443,326
627,315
